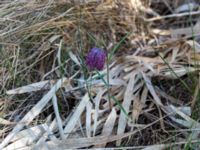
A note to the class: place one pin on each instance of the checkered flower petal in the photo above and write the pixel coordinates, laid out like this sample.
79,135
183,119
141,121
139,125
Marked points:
96,59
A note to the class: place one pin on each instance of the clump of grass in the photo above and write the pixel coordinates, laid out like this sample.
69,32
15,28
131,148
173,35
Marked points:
146,72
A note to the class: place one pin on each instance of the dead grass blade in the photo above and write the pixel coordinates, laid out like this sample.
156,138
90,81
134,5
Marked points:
31,133
88,119
128,97
138,105
155,147
97,101
192,123
31,87
6,122
173,16
186,32
152,90
76,116
17,145
84,142
32,113
58,118
108,126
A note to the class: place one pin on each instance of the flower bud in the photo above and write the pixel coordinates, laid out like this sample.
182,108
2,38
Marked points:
96,59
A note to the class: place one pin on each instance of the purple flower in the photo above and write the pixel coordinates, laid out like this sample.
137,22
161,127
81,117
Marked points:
96,59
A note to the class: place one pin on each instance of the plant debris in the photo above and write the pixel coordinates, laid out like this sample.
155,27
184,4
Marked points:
145,97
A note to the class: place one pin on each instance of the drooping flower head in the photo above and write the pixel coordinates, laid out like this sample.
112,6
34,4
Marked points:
96,59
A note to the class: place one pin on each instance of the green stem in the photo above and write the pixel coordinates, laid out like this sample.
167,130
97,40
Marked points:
108,87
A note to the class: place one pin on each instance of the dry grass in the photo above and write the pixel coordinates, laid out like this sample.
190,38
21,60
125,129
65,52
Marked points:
153,74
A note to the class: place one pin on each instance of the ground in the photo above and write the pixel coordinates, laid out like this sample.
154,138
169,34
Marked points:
146,96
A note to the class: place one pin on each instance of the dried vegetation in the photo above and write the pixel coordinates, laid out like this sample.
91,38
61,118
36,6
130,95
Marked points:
153,74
